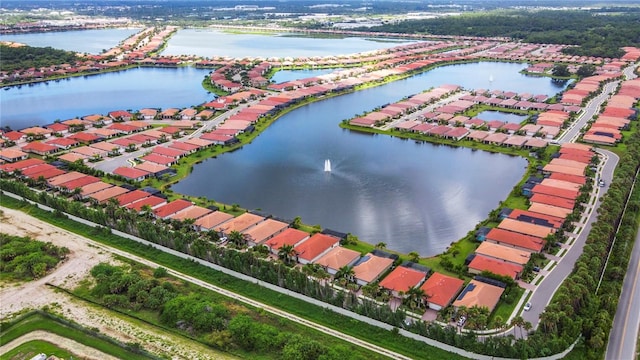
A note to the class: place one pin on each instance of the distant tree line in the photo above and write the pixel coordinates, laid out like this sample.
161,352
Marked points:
594,34
24,57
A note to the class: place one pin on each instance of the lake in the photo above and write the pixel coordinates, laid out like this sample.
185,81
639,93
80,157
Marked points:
83,41
502,116
289,75
212,43
42,103
412,196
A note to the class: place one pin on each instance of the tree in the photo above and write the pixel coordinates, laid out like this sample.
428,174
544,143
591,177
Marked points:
560,70
287,253
414,298
297,221
381,245
237,238
414,257
586,70
345,275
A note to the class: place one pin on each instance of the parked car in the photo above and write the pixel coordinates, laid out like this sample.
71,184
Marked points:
462,320
601,183
527,306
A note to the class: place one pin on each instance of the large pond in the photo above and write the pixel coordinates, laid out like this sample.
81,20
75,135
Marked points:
83,41
210,43
412,196
491,115
43,103
290,75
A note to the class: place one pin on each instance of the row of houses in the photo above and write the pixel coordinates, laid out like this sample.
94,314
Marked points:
507,248
616,117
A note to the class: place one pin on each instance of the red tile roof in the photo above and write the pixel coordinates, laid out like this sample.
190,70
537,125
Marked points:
130,173
172,208
132,196
287,237
315,245
552,200
80,182
371,268
402,278
159,159
528,242
441,289
40,147
533,217
21,165
481,263
151,201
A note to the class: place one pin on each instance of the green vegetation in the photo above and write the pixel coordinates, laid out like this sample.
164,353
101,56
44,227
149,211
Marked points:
209,317
597,32
24,57
22,258
32,348
40,320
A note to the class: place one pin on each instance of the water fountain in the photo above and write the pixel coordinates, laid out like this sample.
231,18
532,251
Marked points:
327,165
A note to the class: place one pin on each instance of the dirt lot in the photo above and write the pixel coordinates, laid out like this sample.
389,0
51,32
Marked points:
84,254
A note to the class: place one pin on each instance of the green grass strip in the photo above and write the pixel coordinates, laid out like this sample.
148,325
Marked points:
40,321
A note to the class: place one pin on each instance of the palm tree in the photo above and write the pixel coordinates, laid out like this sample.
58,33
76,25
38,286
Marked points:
414,257
414,297
287,253
237,238
344,275
381,245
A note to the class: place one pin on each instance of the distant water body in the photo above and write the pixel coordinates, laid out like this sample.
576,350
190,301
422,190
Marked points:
211,43
83,41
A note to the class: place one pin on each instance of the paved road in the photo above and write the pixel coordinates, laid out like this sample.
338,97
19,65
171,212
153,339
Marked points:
545,290
626,323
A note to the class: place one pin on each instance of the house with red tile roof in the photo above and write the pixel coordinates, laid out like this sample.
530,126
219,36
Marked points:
13,155
183,146
336,258
152,201
165,211
479,294
20,164
555,191
515,240
440,290
504,253
481,263
66,177
78,183
58,128
63,143
131,173
525,227
159,159
40,148
121,115
401,279
553,201
211,220
165,151
314,247
288,236
370,267
536,218
103,196
194,212
128,198
85,138
239,223
258,234
15,136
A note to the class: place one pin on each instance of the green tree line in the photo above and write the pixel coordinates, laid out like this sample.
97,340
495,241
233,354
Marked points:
24,57
594,34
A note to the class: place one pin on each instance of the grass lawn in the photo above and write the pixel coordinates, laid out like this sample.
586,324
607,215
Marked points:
32,348
36,321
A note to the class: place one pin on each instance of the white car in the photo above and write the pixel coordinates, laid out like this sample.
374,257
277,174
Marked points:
527,306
